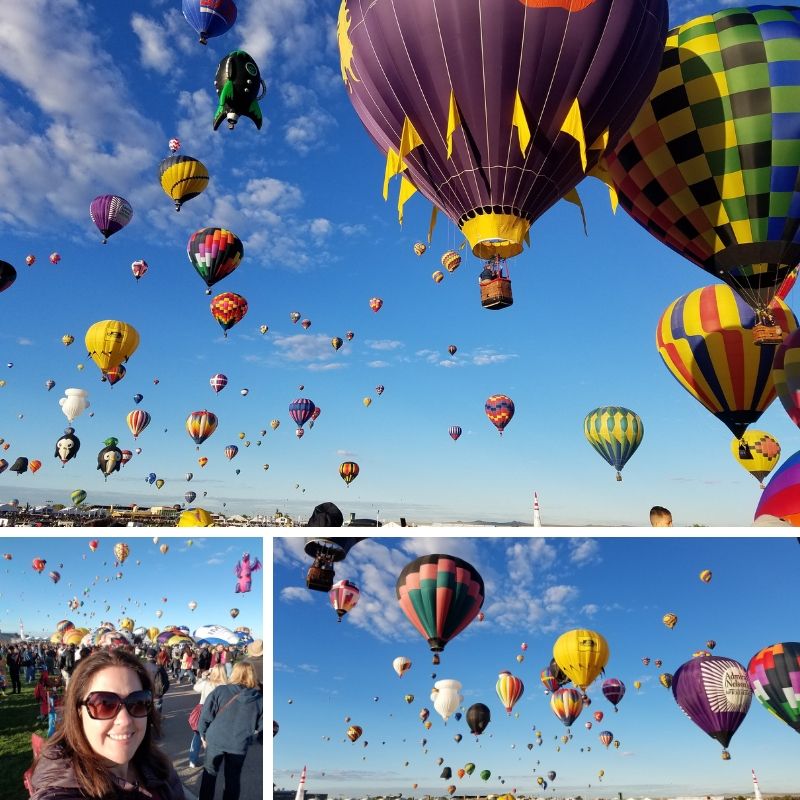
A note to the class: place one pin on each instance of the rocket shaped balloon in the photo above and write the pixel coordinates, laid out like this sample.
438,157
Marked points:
239,87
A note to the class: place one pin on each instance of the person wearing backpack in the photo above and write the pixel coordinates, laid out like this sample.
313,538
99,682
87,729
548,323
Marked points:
158,677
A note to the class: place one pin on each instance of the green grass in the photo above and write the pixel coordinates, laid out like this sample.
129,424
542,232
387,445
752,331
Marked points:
18,714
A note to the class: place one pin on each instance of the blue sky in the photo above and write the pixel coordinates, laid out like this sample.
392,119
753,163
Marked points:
535,590
202,571
304,195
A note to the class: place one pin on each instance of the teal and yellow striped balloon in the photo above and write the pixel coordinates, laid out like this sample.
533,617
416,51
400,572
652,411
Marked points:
614,432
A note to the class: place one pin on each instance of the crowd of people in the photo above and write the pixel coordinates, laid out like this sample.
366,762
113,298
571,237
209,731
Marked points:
103,709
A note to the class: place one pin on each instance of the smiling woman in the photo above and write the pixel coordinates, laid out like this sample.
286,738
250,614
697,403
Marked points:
104,747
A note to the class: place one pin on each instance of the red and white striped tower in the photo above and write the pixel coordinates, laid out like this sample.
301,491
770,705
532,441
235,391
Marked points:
301,788
537,520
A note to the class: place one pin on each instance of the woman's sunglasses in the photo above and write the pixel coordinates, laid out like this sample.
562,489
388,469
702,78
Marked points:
106,705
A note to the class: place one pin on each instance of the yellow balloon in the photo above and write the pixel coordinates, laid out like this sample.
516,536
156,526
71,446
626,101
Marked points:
126,624
195,518
152,633
757,452
182,178
367,401
110,342
582,655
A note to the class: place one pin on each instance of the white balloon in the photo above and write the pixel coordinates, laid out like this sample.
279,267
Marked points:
447,697
74,403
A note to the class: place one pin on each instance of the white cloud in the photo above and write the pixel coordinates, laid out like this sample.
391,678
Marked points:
320,227
584,551
326,367
24,342
308,131
353,230
556,597
290,594
303,347
383,344
590,609
161,42
527,558
377,364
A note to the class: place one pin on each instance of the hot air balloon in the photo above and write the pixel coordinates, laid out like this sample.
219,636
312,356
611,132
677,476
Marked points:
38,564
446,697
336,343
582,654
109,458
419,248
34,465
714,693
189,497
440,595
705,576
348,471
74,403
566,704
705,339
613,691
375,304
438,276
774,675
159,483
615,433
455,432
401,665
509,689
110,213
67,339
121,552
263,329
230,451
478,717
344,597
77,497
349,336
786,375
137,421
195,518
306,324
354,732
7,275
110,342
665,679
757,452
30,259
781,498
214,253
209,18
440,114
182,178
452,349
55,258
239,88
499,409
682,191
200,425
451,260
670,620
227,309
138,268
275,423
300,410
67,446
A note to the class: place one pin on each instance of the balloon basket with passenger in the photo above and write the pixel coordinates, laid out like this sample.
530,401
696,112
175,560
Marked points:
766,331
495,285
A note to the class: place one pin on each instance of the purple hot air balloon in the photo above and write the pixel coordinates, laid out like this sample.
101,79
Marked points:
495,109
300,410
110,213
613,691
715,694
455,432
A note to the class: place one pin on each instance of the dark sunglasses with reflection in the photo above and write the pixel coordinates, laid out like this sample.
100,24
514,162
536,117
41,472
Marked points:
106,705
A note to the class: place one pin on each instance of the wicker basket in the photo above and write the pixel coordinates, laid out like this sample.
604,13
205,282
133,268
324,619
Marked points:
320,579
768,334
496,294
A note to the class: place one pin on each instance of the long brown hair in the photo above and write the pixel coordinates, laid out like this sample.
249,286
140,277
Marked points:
70,742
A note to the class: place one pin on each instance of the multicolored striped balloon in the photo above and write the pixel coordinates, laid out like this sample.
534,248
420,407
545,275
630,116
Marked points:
300,410
500,410
509,689
566,704
774,674
705,339
613,691
440,594
344,597
615,433
781,498
200,425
